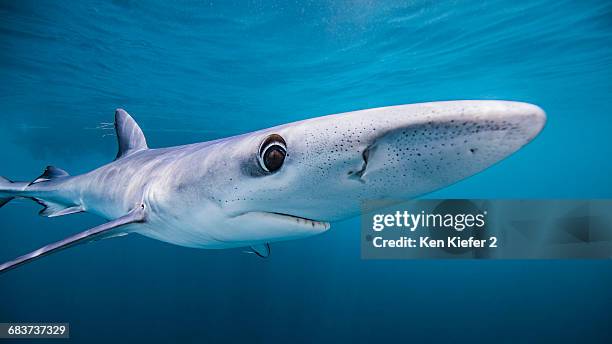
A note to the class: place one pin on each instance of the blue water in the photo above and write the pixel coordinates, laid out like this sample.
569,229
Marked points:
197,71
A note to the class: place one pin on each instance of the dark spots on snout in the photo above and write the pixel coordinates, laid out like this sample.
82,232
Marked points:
431,147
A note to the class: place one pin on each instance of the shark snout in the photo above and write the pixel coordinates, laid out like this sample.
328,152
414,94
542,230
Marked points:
425,147
336,162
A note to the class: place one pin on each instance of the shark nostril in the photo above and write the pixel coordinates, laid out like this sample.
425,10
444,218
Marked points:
473,150
365,156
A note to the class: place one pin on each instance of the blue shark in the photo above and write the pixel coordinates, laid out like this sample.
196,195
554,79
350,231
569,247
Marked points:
287,182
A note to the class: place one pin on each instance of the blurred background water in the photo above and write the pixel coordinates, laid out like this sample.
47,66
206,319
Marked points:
201,70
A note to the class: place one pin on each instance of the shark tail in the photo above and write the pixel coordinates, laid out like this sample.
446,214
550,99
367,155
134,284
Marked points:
52,207
9,190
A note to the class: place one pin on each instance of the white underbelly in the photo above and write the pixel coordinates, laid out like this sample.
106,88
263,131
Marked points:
177,233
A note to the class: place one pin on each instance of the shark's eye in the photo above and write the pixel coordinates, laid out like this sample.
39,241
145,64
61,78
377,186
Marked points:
272,153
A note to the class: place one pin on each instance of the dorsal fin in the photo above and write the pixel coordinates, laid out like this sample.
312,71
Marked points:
50,172
129,135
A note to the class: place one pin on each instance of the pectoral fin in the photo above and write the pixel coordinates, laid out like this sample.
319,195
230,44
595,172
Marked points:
262,250
111,228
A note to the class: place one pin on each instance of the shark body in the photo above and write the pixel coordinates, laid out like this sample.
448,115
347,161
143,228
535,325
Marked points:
281,183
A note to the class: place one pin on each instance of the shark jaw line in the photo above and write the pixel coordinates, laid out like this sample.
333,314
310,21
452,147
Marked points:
302,221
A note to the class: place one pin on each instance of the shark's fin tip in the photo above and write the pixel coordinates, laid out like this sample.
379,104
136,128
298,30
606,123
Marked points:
262,250
108,229
130,137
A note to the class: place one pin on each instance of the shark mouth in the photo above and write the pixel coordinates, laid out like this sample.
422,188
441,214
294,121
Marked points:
298,220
